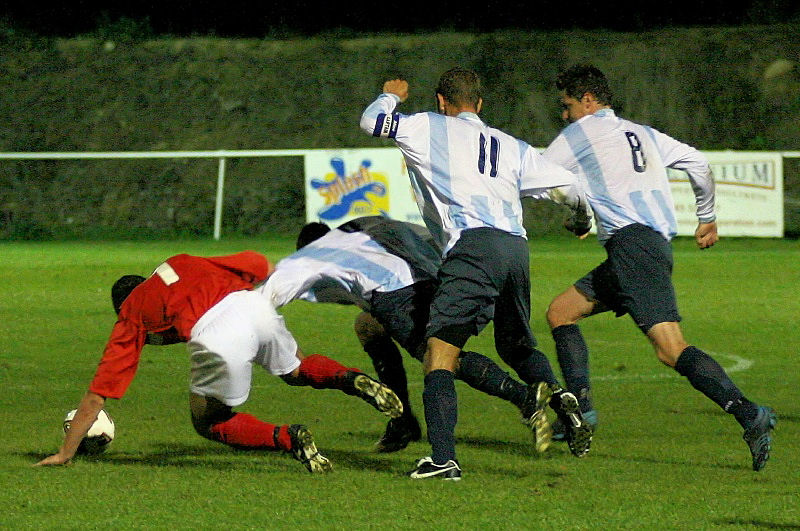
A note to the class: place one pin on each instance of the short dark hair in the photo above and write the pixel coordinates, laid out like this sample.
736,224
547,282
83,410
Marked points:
577,80
310,232
122,288
460,86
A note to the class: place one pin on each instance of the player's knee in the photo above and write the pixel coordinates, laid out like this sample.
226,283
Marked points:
665,358
206,412
568,308
202,426
668,342
294,378
556,314
669,354
367,328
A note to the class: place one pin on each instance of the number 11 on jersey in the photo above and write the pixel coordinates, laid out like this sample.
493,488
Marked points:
494,149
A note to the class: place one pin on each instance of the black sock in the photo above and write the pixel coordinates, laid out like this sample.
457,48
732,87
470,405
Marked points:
483,374
536,368
708,377
573,358
441,414
388,363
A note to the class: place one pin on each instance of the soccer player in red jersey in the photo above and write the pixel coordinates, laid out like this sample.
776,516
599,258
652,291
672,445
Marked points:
209,303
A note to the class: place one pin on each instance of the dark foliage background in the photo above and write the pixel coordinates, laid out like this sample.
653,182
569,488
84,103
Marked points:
119,84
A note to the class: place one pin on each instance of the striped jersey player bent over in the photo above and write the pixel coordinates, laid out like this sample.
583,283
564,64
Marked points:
383,267
387,268
468,179
621,167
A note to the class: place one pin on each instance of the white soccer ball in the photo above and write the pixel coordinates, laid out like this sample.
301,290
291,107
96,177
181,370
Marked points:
100,434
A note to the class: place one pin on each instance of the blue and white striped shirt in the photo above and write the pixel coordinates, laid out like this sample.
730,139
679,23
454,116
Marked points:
621,167
342,268
464,173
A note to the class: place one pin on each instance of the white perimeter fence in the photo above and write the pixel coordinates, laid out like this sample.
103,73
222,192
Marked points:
220,155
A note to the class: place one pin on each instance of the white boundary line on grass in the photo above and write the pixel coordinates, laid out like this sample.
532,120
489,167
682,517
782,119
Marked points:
740,364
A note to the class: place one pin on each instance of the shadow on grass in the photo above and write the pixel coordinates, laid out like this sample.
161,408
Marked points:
181,456
745,463
404,461
366,461
388,462
782,417
756,523
516,448
229,458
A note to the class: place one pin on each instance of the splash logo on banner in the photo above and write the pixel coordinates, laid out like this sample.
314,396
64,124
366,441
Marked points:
362,193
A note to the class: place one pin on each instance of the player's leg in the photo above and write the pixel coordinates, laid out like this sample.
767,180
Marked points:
386,357
322,372
517,347
642,260
278,353
596,292
563,314
441,412
220,381
512,312
221,353
225,343
461,307
483,374
388,363
708,377
217,421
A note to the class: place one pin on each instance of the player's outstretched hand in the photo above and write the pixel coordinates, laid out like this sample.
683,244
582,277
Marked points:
706,235
53,460
398,87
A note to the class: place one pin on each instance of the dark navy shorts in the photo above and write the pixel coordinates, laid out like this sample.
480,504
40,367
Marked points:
636,278
485,277
404,314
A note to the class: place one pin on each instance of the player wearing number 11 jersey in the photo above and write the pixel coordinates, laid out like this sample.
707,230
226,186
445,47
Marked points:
468,179
621,166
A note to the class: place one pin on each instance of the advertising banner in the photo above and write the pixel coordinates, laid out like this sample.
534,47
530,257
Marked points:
749,194
342,184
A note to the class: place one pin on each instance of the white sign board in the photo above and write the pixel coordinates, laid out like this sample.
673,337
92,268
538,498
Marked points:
749,194
342,184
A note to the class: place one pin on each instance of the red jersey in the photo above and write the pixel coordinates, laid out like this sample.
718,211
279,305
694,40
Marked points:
176,295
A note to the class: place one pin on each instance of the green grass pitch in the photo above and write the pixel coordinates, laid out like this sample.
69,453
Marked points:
664,456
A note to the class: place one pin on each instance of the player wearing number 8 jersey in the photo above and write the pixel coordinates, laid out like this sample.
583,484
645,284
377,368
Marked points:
621,166
210,303
468,179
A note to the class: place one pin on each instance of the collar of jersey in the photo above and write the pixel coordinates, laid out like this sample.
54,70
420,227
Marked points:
471,116
605,113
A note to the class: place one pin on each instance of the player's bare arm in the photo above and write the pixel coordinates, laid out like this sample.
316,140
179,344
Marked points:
90,406
706,234
398,87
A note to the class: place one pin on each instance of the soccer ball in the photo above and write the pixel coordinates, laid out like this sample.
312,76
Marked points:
100,434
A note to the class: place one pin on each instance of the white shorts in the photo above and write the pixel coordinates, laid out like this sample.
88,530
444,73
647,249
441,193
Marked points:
240,330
